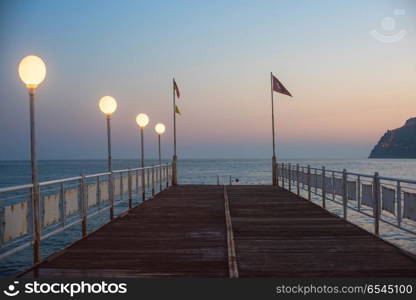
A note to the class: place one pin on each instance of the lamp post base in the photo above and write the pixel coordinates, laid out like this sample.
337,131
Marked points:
174,171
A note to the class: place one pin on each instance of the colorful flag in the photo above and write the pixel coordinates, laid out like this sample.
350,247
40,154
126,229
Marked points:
175,87
177,110
279,87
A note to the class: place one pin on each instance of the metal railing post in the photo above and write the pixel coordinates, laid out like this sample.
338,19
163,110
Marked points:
149,178
62,204
218,180
36,223
160,177
153,181
162,180
297,180
143,175
146,178
120,187
231,181
358,193
166,175
376,199
309,183
280,165
316,181
323,187
137,182
129,184
98,192
303,177
283,175
286,174
84,206
277,173
333,186
344,193
111,193
290,176
399,203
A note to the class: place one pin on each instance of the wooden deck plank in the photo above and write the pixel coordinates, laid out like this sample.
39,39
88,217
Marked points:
182,232
278,234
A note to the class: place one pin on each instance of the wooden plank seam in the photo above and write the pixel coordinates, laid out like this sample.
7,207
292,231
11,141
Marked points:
232,257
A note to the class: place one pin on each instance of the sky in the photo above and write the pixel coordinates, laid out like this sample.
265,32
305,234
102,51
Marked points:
348,84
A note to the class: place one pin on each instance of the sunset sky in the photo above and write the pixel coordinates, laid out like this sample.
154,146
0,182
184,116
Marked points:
348,86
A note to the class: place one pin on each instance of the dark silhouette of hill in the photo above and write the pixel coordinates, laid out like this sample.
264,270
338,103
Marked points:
397,143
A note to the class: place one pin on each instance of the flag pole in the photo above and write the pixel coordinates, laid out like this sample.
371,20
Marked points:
174,169
274,175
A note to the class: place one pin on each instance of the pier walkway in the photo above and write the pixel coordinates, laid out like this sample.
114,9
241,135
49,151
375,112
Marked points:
185,231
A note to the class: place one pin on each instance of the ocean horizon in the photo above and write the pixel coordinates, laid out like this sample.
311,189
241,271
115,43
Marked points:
200,170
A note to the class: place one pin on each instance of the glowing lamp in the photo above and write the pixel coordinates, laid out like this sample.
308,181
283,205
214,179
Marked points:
108,105
160,128
32,71
142,120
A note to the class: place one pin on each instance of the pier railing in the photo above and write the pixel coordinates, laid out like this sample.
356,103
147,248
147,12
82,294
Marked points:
384,199
226,179
70,201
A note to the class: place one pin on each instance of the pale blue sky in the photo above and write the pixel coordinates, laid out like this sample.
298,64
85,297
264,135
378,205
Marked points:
348,87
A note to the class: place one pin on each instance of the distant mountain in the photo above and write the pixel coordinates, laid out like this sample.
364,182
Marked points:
397,143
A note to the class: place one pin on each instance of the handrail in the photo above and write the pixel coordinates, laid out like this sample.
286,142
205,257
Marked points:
16,188
55,181
59,180
230,177
97,175
406,180
403,180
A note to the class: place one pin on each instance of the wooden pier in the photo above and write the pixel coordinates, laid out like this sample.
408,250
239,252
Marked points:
237,231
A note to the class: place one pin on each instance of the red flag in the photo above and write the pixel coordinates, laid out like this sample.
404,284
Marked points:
279,87
175,87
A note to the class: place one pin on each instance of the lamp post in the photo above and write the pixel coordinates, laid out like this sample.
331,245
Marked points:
160,129
108,106
32,72
142,120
